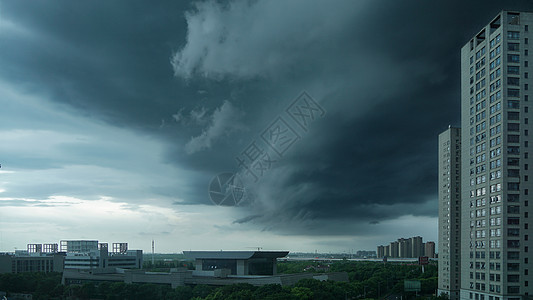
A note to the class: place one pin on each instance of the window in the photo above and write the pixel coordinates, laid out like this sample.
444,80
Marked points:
513,209
513,173
495,119
513,35
495,130
495,85
496,96
513,46
513,81
496,141
495,63
513,92
514,104
513,58
481,105
481,116
513,267
480,53
513,149
513,186
495,74
496,107
495,163
513,70
513,138
495,41
513,221
480,74
495,152
513,161
512,197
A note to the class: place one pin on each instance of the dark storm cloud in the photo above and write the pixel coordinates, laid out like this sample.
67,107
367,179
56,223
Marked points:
374,156
387,72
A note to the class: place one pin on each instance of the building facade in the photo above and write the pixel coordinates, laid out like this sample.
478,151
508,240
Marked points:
236,262
495,183
34,262
93,255
429,249
450,212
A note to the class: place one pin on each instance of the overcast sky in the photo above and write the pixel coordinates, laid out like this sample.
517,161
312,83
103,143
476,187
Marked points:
116,115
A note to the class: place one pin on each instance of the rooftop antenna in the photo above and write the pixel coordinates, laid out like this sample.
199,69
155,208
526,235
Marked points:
153,248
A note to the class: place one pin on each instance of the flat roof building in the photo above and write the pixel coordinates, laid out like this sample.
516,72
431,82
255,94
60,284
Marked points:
238,262
78,254
37,262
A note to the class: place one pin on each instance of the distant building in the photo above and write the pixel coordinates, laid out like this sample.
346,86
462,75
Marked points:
405,248
216,268
381,251
402,248
76,254
94,255
429,249
31,262
417,247
394,249
365,254
237,262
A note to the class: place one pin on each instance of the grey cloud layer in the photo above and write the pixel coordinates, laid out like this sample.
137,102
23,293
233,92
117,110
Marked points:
385,71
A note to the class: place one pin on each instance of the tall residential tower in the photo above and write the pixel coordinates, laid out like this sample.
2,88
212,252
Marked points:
450,212
495,165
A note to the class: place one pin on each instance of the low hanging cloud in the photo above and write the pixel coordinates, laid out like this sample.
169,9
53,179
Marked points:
223,122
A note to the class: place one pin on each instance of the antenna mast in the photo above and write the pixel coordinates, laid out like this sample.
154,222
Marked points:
153,248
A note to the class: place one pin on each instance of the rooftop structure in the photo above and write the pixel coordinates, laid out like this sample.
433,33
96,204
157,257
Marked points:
237,262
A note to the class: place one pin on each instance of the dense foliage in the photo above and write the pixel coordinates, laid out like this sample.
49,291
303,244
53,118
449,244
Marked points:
367,280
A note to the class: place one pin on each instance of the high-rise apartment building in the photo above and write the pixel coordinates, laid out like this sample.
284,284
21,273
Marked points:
429,249
495,164
417,246
450,212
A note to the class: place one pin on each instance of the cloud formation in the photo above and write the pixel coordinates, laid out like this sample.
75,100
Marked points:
83,104
246,39
223,121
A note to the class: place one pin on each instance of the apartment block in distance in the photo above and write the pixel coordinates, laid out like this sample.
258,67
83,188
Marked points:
450,212
495,87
